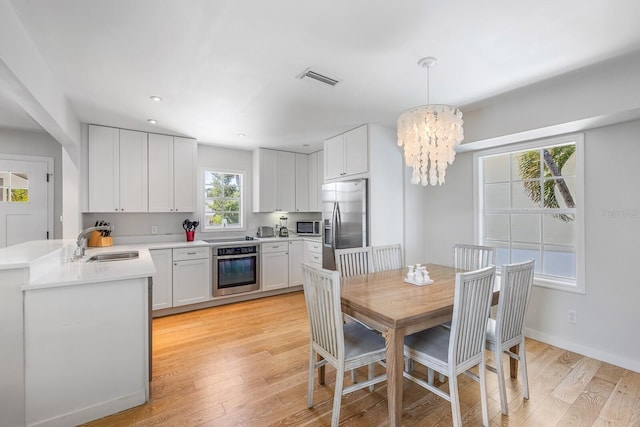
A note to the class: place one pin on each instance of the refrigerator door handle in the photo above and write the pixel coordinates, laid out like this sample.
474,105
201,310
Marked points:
334,225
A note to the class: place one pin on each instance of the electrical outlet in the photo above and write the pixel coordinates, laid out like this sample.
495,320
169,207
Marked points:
571,316
154,229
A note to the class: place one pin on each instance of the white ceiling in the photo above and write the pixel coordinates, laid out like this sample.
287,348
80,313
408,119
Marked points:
225,68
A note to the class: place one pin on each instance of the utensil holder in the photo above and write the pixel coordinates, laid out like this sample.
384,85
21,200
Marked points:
97,241
190,235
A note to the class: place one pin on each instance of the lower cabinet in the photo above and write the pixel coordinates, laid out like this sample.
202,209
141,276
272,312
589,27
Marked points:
295,262
182,276
274,265
313,253
163,280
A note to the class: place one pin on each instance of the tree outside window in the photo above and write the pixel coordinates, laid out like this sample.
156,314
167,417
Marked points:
222,200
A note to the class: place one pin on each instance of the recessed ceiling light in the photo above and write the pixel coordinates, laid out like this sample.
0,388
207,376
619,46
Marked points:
241,135
305,145
155,98
152,121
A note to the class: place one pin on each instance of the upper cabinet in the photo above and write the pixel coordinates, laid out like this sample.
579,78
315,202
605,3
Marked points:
302,183
285,181
117,170
171,173
274,186
346,155
131,171
316,179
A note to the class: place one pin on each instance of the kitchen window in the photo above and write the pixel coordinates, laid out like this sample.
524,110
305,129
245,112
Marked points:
223,193
529,204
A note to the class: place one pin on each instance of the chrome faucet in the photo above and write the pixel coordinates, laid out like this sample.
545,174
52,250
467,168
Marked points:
81,242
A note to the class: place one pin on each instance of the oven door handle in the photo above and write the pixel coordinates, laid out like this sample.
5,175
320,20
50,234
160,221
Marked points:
234,256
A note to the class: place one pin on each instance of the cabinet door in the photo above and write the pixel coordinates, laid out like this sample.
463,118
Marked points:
265,180
296,254
160,173
302,183
163,280
275,270
191,282
356,153
104,164
334,157
286,187
314,185
184,174
133,171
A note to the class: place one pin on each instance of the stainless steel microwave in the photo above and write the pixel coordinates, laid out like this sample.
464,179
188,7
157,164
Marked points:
308,227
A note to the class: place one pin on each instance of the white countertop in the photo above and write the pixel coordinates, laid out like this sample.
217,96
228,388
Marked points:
49,265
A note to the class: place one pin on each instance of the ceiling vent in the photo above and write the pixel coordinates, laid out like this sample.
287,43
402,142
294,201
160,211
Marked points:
319,77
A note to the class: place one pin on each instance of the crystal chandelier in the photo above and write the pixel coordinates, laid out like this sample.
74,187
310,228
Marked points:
430,134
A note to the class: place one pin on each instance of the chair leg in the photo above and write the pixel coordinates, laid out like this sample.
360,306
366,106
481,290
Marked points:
483,392
337,398
370,377
523,370
497,354
430,376
312,363
455,400
353,376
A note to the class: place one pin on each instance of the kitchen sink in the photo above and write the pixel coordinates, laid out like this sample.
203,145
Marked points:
114,256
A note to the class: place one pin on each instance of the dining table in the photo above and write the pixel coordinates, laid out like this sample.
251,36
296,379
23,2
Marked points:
385,302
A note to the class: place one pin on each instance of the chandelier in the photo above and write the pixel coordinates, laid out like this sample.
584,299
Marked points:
430,134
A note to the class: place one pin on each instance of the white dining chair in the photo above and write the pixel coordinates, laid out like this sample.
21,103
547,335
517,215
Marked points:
343,346
354,261
388,257
473,257
454,351
507,329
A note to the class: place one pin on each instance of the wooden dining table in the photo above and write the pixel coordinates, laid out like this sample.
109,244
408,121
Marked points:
388,304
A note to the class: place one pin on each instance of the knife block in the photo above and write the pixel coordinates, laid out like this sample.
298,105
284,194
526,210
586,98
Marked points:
97,241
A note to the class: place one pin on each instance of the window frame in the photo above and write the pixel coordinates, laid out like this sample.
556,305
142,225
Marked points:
579,285
203,198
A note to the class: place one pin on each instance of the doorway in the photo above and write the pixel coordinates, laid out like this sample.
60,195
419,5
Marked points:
26,199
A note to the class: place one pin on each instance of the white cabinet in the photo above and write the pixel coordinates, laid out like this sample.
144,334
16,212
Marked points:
316,179
274,177
274,265
163,279
302,182
347,155
191,282
313,253
118,180
172,177
296,254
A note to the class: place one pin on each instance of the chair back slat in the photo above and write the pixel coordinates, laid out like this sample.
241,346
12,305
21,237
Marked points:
473,257
322,295
515,289
387,257
471,307
354,261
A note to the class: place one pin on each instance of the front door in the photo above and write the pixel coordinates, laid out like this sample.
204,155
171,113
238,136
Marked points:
24,199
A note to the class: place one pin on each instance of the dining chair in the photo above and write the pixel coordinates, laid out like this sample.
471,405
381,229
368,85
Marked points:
473,257
454,351
345,346
354,261
388,257
507,329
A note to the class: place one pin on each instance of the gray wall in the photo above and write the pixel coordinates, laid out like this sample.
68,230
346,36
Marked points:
34,143
607,313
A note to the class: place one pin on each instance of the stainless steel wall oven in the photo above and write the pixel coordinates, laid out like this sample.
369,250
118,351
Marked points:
236,269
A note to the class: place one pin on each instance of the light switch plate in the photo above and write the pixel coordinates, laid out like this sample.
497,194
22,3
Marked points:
154,229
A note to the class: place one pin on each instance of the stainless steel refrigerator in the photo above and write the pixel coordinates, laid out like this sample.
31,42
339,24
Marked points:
344,218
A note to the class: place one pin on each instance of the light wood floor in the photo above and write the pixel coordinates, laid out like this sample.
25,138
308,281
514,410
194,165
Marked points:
246,364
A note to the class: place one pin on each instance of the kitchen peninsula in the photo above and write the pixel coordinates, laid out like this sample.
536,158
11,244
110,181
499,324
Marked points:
75,334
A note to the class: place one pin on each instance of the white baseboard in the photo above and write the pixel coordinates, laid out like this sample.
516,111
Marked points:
594,353
93,412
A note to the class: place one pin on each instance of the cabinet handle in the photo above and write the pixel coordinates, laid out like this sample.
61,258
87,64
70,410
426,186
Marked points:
191,253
